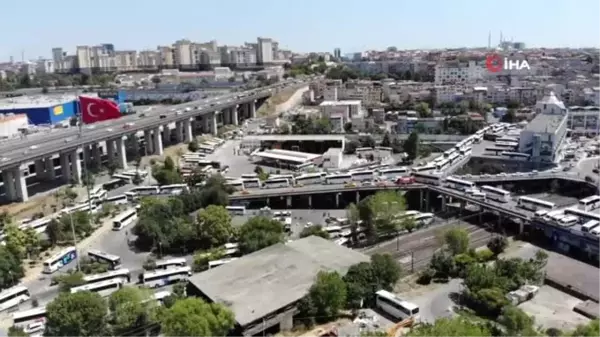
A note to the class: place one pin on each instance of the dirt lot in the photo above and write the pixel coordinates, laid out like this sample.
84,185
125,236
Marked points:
269,107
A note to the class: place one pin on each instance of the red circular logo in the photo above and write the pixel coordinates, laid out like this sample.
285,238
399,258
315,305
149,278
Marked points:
493,63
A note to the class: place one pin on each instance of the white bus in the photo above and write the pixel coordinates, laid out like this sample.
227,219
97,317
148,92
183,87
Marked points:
174,189
205,148
146,190
534,205
174,262
583,215
133,173
425,168
117,199
103,288
97,195
251,183
80,208
231,249
126,179
216,263
588,226
443,164
113,261
459,184
429,179
590,203
26,318
515,155
109,275
393,173
423,219
336,179
309,179
454,157
159,278
363,176
13,296
466,152
450,152
131,196
237,185
497,194
276,183
568,221
60,259
236,210
249,176
392,305
39,225
124,219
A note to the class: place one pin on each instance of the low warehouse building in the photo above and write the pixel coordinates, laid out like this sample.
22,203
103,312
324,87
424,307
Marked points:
11,125
41,110
263,288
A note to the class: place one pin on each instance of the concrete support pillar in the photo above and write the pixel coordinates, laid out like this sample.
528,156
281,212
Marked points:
110,150
75,166
87,155
234,114
310,201
49,167
480,216
166,134
252,106
187,130
521,227
462,206
337,200
268,201
225,116
65,167
421,196
20,184
288,201
97,155
121,153
148,142
245,111
40,169
206,123
444,209
427,201
9,185
179,132
213,124
357,197
158,145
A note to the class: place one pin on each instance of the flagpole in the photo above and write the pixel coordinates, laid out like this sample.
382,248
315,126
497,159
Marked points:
85,168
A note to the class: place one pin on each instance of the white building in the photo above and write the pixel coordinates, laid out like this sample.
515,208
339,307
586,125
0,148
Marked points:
11,123
45,67
544,135
459,72
340,112
584,120
264,51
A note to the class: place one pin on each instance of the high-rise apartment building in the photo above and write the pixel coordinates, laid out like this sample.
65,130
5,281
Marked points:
83,56
264,51
166,56
337,53
182,53
148,59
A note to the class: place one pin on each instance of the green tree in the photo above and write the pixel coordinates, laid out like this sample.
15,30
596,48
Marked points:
21,242
258,233
80,314
363,279
67,281
386,140
497,245
193,146
517,322
316,230
458,326
386,270
15,331
411,145
131,309
11,268
194,317
326,297
213,226
509,117
169,164
588,330
381,212
457,240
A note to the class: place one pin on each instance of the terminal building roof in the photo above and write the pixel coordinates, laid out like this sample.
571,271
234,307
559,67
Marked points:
39,101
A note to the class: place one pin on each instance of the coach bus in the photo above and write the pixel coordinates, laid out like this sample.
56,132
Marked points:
146,190
170,263
535,205
109,275
13,296
60,260
124,178
590,203
124,219
80,208
103,288
236,210
277,183
359,176
39,225
237,185
392,305
426,178
159,278
459,184
113,261
174,189
26,318
251,183
583,215
338,179
117,199
515,155
497,194
393,173
425,168
216,263
309,179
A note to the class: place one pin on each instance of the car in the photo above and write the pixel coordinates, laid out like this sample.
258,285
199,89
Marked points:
127,125
4,159
178,113
188,109
163,116
596,170
109,130
33,147
91,127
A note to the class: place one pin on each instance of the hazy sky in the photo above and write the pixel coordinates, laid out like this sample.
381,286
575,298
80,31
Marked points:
35,26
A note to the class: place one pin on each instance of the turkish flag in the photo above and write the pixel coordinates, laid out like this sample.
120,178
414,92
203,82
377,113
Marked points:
97,109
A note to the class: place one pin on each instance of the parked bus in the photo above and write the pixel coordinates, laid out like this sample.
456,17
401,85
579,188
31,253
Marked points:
276,183
131,196
159,278
515,155
39,225
423,219
60,259
589,226
13,296
117,199
425,168
216,263
114,183
109,275
459,184
426,178
126,179
249,176
583,215
25,318
124,219
237,185
104,288
360,176
392,305
169,263
231,249
309,179
146,190
113,261
236,210
97,195
442,164
534,205
497,194
393,173
590,203
251,183
174,189
336,179
80,208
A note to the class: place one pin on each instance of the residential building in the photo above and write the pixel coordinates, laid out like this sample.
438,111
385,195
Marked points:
83,56
456,72
45,66
182,53
126,59
243,56
166,56
584,121
148,59
340,112
337,53
264,51
544,135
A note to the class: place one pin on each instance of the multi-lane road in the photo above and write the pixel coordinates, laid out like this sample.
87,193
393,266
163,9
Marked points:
31,148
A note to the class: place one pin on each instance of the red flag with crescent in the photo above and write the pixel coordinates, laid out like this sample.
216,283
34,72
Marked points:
97,109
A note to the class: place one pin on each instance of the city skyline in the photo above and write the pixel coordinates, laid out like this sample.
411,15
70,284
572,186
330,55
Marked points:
533,22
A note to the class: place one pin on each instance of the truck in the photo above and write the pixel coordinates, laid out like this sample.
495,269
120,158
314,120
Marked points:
126,108
523,294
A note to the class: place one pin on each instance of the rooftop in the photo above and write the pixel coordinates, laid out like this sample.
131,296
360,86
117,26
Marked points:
284,138
551,99
41,101
334,103
543,123
265,281
294,156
